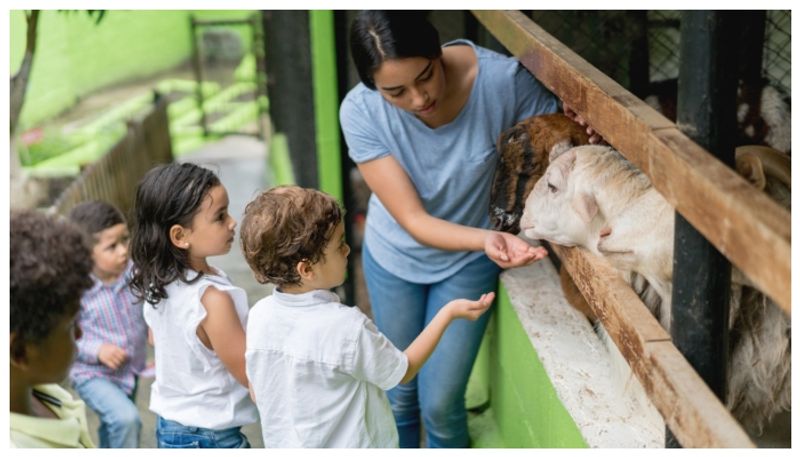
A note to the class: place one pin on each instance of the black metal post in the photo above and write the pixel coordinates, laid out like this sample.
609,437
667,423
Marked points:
707,114
290,88
639,59
340,27
751,48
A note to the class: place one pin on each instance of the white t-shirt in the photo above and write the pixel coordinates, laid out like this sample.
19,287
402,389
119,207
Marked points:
319,370
192,386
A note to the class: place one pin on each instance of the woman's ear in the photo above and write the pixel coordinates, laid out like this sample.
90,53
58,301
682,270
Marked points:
179,236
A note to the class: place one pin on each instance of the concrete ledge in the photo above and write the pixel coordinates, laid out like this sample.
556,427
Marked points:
590,377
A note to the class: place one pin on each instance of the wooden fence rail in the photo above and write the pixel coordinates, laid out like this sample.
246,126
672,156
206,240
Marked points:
751,230
114,177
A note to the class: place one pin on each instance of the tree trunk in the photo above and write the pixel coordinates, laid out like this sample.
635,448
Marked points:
25,192
19,82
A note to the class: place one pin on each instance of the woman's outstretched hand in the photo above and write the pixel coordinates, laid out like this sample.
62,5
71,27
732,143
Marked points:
594,137
509,251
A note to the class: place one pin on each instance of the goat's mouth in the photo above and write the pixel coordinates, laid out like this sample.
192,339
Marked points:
533,234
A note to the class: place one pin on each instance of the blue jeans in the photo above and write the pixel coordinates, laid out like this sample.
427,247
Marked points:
171,434
401,310
120,425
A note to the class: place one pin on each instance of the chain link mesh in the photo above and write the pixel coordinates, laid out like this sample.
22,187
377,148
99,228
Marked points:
608,39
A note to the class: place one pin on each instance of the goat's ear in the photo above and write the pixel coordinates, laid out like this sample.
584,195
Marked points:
560,148
585,205
567,163
750,168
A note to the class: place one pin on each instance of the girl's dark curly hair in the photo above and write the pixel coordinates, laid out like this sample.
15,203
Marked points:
377,36
50,264
284,226
167,195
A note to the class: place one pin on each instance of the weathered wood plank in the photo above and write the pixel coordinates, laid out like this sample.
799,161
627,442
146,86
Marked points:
694,414
692,411
751,230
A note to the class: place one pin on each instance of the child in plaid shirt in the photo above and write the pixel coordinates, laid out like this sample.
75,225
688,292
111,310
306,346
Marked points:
113,349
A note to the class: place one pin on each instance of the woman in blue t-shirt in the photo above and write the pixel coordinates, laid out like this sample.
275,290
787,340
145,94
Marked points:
422,127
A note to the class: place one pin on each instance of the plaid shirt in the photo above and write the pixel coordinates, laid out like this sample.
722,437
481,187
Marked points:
111,314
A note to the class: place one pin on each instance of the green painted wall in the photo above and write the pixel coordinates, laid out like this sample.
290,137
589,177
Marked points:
326,102
74,56
525,405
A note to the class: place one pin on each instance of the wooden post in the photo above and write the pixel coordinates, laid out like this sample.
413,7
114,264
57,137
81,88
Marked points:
707,114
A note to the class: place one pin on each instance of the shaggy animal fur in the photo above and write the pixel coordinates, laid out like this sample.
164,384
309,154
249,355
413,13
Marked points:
763,113
524,150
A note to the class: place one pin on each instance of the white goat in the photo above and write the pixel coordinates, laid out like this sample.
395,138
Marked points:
590,196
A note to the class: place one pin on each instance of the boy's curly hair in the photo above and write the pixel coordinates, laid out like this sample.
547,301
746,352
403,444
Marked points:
284,226
50,264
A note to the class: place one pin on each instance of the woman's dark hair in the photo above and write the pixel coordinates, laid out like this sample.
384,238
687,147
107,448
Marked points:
167,195
50,264
95,216
377,36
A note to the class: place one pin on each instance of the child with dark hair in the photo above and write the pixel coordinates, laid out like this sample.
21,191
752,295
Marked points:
113,349
196,315
50,265
318,369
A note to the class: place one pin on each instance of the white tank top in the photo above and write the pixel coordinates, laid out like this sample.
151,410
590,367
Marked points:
192,386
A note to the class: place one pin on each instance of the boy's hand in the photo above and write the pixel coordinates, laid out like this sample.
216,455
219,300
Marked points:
111,355
470,309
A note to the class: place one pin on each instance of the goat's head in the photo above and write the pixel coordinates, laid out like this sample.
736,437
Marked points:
561,209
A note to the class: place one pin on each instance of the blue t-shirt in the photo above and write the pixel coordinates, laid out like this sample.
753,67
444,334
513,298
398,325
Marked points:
451,166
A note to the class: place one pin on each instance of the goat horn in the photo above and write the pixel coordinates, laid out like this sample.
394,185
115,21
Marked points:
775,163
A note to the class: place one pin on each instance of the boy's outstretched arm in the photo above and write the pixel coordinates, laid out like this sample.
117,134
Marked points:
422,347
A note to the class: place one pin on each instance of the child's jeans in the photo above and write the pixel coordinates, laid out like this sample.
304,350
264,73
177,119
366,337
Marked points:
171,434
120,424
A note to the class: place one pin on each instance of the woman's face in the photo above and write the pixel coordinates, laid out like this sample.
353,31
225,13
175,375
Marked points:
414,84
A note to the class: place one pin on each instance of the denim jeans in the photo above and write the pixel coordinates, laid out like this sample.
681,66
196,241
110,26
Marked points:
401,310
120,425
171,434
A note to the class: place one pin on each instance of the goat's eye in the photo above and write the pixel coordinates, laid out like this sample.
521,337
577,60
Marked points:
552,188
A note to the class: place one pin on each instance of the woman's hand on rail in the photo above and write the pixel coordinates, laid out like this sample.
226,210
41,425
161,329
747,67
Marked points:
594,137
509,251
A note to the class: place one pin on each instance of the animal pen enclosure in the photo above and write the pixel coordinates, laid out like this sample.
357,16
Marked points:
756,237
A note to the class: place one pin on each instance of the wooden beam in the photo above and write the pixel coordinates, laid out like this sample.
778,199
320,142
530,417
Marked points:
691,410
748,228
